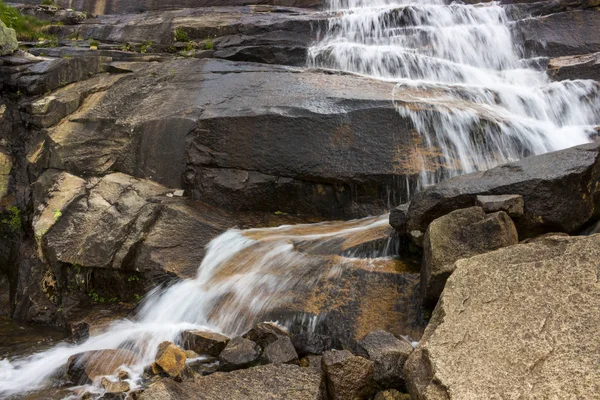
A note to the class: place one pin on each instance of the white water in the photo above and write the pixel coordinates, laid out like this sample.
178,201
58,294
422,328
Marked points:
478,104
243,275
461,66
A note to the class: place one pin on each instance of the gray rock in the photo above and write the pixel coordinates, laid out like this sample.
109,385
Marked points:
512,204
389,355
561,34
561,191
265,333
239,353
281,351
204,342
460,234
399,218
348,376
276,382
585,66
8,40
519,321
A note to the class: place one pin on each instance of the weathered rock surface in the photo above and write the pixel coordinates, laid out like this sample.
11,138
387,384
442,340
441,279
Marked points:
399,218
239,353
83,368
115,386
348,376
281,351
392,394
277,382
561,34
204,342
265,333
275,35
519,321
8,40
460,234
585,66
512,204
211,147
561,191
97,7
389,355
170,358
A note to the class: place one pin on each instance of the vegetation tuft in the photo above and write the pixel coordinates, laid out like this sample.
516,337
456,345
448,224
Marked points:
28,28
181,35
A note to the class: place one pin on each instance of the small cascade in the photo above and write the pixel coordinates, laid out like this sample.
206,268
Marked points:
472,100
244,275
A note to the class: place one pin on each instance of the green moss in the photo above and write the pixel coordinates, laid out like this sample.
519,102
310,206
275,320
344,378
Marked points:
208,45
181,35
13,219
27,27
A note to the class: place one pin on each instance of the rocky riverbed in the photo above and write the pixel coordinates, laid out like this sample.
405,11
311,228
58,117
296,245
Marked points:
134,133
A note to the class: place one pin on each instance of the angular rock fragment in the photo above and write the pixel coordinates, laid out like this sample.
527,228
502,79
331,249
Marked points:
389,355
204,342
348,376
460,234
170,358
239,353
281,351
512,204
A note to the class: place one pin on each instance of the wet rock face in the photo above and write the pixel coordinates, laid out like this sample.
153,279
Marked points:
560,190
288,382
561,34
8,40
460,234
479,328
331,142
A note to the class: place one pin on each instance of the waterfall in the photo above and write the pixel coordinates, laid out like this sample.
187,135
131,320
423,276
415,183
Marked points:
474,103
461,81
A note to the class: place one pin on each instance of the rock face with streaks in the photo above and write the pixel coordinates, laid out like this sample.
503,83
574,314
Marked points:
519,321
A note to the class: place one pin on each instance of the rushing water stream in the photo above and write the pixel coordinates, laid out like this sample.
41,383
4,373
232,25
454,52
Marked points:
482,105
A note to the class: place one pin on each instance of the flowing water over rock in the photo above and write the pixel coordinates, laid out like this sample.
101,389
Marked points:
244,275
490,105
464,62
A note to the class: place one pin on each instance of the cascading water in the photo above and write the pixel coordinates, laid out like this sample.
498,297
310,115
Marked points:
244,275
469,95
472,99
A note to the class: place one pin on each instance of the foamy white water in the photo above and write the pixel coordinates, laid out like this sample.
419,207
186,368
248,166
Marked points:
484,104
243,275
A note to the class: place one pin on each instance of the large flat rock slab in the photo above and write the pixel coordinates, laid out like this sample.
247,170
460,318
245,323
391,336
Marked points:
519,322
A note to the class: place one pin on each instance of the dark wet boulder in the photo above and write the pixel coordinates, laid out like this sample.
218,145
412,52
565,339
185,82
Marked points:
522,319
204,342
561,191
84,367
399,218
348,376
239,353
392,394
460,234
389,355
276,382
586,66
